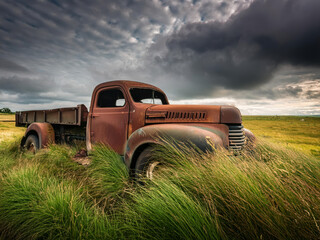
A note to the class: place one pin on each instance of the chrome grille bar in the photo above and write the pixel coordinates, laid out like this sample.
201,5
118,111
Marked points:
236,137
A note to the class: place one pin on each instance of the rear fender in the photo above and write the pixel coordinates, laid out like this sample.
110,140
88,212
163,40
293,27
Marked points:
44,132
203,136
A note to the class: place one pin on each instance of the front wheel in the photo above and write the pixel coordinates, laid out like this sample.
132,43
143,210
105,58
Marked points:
32,144
146,166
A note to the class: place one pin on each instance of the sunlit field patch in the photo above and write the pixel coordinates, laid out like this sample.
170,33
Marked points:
8,131
299,132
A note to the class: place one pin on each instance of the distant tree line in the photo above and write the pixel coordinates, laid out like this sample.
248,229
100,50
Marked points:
5,110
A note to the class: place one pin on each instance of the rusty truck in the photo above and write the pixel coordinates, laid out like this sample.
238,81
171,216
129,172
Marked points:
129,117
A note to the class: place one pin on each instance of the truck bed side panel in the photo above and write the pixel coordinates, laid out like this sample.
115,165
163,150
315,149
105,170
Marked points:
62,116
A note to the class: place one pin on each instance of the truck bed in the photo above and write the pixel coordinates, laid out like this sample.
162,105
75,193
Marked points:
76,116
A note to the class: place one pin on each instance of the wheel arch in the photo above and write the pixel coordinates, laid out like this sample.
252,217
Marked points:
137,153
205,137
27,134
44,132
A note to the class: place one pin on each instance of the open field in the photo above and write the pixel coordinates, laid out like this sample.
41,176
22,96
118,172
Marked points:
270,193
8,131
298,132
5,116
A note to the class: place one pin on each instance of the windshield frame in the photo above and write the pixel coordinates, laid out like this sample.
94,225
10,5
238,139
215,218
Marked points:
153,92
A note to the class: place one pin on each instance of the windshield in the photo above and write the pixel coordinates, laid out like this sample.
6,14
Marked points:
150,96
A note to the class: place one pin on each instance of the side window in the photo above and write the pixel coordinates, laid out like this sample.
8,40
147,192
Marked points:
111,98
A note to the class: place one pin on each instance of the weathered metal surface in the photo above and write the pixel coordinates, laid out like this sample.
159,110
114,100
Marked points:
230,114
64,116
126,86
106,123
44,132
109,125
69,133
114,125
183,114
236,137
204,136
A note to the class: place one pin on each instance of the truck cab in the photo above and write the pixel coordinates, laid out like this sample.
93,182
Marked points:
117,109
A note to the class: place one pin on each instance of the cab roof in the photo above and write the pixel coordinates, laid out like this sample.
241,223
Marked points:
127,84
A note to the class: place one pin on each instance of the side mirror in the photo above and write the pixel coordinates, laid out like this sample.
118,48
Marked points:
120,102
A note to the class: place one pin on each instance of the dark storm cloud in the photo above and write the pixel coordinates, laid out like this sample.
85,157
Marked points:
53,53
18,84
245,51
76,27
69,41
9,66
57,41
279,93
17,79
293,91
312,94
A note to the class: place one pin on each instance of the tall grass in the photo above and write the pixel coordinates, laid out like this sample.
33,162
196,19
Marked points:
35,206
271,193
57,160
9,154
162,210
268,193
109,171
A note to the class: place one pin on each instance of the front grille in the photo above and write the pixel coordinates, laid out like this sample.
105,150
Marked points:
186,115
236,137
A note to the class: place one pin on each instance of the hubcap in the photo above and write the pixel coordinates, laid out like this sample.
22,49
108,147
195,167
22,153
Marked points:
151,169
31,148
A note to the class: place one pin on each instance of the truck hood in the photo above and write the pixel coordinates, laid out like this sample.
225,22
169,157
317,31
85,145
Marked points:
192,114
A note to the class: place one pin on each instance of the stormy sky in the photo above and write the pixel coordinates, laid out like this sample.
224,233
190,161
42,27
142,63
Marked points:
261,55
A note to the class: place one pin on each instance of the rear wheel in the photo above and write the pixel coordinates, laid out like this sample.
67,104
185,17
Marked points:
146,166
32,143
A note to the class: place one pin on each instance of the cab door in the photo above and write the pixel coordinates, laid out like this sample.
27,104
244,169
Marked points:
110,118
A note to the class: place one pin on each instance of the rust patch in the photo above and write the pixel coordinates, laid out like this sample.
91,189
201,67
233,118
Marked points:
183,114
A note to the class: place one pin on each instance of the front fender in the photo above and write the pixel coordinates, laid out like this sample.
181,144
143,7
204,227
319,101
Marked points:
251,138
44,131
204,136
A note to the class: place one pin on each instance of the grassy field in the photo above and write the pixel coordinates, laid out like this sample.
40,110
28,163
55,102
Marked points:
301,133
272,192
5,116
8,131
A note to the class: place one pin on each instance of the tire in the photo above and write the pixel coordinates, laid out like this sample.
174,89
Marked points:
145,165
32,143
